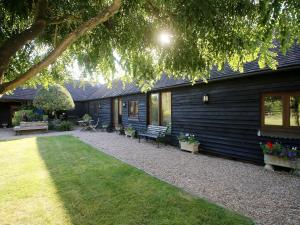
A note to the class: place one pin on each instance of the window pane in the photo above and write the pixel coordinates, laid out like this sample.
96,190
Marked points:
295,111
166,108
154,109
133,109
273,110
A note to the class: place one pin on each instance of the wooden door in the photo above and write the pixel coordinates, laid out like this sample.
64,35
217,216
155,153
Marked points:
117,112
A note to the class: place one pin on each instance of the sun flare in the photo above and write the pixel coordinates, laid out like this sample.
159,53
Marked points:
165,38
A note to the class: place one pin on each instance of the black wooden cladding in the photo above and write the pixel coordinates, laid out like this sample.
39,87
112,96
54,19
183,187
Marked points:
93,109
5,115
79,110
228,124
105,111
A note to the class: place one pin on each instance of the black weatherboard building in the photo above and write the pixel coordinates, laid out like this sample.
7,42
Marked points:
230,114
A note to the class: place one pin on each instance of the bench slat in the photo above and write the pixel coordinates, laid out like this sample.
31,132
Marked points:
154,132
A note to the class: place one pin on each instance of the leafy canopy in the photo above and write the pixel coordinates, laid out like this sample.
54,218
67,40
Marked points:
204,33
54,98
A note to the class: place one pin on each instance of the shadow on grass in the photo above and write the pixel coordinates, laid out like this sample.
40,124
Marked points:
98,189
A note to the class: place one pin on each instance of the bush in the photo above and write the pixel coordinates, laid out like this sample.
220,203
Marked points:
86,117
59,125
18,116
53,124
65,125
55,98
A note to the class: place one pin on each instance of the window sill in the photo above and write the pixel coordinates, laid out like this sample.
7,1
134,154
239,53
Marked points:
280,133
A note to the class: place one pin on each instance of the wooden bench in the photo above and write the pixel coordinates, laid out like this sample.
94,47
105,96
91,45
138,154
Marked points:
26,127
157,133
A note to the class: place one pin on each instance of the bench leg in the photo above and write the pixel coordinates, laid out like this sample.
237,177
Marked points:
139,139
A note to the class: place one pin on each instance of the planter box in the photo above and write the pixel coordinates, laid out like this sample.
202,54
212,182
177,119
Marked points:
189,147
271,160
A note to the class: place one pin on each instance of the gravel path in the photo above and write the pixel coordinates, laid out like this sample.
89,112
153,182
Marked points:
270,198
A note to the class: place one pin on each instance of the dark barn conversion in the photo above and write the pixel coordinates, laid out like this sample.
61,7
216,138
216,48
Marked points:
230,114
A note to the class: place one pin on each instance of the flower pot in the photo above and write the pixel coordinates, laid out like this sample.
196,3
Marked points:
189,147
272,160
130,133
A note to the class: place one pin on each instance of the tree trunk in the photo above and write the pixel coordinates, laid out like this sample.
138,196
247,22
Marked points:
103,16
16,42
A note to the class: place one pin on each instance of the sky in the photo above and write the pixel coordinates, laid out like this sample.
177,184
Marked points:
77,72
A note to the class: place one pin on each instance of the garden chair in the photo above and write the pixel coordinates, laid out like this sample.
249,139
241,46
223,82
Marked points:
93,127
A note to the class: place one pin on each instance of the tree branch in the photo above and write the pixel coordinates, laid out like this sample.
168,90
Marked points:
63,19
13,44
90,24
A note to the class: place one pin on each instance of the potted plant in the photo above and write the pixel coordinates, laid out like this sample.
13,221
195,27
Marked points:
104,127
130,131
188,142
86,117
120,129
279,155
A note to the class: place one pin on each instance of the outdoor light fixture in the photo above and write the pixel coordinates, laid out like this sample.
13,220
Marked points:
205,98
124,104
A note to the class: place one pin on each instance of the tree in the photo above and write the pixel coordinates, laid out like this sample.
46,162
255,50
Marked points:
39,37
55,98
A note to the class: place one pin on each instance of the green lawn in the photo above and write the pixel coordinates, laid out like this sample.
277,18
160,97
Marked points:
61,180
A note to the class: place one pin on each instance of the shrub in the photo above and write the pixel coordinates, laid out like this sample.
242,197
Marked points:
59,125
55,98
86,117
54,124
18,116
65,125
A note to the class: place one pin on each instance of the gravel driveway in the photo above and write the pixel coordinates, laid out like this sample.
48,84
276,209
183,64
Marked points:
271,198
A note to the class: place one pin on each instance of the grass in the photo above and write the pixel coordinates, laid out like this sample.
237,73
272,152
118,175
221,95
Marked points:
61,180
